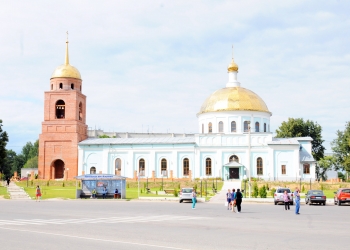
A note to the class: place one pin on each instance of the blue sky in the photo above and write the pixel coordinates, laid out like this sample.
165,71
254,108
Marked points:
153,63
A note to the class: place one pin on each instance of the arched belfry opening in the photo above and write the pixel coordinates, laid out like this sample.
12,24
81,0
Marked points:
80,111
58,169
60,109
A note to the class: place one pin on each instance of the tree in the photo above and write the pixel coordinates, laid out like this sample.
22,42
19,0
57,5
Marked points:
300,128
323,166
3,142
341,149
32,163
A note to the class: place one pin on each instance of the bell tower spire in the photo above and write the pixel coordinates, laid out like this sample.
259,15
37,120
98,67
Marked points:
66,62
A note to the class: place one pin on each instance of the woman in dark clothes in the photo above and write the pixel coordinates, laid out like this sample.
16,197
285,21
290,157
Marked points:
239,197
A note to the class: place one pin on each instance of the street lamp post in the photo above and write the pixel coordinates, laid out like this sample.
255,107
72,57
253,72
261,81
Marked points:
249,156
245,185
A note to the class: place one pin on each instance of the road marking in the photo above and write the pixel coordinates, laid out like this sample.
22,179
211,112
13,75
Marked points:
134,219
94,239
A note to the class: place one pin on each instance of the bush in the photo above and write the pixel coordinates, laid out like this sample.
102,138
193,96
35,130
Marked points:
262,192
195,186
62,183
48,183
127,185
176,193
272,191
303,189
255,190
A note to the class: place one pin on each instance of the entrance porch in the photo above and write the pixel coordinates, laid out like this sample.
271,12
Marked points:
233,171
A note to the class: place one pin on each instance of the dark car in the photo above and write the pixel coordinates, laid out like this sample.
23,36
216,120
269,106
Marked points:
315,196
342,196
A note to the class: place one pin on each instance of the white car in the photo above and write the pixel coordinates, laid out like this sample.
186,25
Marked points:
185,194
278,196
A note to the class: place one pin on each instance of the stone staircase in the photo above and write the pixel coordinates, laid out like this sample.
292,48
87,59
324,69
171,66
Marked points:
220,197
17,193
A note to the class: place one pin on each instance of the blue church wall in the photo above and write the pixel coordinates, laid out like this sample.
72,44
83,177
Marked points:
284,157
254,159
203,156
180,158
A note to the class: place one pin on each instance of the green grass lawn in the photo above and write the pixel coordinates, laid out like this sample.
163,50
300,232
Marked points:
49,192
3,192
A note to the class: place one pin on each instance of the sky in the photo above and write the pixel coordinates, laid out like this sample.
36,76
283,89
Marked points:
149,65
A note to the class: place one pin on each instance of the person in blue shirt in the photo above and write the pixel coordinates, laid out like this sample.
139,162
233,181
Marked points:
297,200
233,200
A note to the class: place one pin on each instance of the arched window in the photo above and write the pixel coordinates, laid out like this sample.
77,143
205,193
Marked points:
163,165
259,166
264,127
233,126
234,158
118,166
92,170
221,127
142,167
186,166
61,86
257,127
208,166
202,128
246,126
210,128
60,109
80,111
306,168
51,86
72,85
80,87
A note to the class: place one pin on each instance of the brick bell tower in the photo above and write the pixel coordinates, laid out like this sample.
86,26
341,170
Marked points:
64,124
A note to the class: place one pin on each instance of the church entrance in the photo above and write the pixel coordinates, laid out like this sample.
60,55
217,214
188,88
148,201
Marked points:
58,168
234,173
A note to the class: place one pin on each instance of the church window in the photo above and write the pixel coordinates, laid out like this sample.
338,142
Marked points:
92,170
142,167
80,87
51,86
118,166
233,126
210,128
259,166
283,169
163,165
234,158
61,86
221,127
257,125
208,166
186,166
306,167
72,85
80,111
60,109
264,127
246,126
202,128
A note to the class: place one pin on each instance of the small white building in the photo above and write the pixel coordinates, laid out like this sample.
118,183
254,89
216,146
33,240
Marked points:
233,141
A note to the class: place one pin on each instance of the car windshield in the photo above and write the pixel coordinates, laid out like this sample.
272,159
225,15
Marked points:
316,192
187,190
281,191
346,191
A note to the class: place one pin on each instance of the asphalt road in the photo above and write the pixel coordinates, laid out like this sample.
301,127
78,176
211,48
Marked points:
108,224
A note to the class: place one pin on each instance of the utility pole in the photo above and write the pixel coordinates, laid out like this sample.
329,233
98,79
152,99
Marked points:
249,158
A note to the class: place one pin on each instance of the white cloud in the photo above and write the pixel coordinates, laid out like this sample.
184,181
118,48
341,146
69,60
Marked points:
153,63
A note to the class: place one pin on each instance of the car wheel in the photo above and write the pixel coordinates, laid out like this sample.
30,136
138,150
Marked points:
309,203
335,203
305,201
275,203
339,203
324,203
180,201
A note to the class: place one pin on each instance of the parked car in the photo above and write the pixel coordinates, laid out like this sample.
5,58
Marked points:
342,196
278,196
315,196
185,194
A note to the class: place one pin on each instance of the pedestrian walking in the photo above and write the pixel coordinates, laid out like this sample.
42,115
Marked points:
8,181
194,198
228,199
239,197
297,200
104,192
94,193
286,200
233,200
38,193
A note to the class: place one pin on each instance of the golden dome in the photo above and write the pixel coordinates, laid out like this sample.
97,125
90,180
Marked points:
66,70
233,98
232,66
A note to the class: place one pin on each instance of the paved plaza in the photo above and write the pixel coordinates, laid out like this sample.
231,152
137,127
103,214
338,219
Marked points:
110,224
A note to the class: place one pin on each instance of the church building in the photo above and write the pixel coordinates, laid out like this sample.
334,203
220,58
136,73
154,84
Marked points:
234,140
